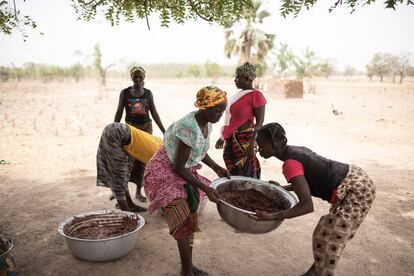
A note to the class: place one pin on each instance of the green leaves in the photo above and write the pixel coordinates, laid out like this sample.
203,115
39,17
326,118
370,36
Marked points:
11,19
250,42
223,12
289,7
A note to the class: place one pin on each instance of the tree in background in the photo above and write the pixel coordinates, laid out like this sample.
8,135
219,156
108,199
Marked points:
401,65
4,74
76,71
285,59
98,64
381,64
306,66
410,71
326,68
212,70
349,71
247,40
194,70
370,71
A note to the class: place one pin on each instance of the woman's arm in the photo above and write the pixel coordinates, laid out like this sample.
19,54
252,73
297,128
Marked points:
120,109
181,157
220,171
154,114
259,113
305,205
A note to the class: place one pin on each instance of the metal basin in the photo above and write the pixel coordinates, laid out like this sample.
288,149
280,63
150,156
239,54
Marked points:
7,245
99,250
239,218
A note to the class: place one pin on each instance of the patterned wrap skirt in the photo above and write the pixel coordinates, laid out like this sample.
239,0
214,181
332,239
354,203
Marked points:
355,196
235,158
169,192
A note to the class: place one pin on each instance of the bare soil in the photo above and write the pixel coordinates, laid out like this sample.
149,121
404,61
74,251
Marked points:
50,132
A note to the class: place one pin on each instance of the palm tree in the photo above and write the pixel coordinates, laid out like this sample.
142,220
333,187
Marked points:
246,39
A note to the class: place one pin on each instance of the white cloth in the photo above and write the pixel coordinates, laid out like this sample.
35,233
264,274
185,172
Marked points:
231,101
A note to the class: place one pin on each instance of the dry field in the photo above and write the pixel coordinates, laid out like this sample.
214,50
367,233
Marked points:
50,133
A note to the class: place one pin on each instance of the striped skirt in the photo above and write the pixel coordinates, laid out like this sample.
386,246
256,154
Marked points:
181,222
112,161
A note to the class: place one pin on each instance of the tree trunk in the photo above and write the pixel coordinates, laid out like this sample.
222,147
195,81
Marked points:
401,78
381,78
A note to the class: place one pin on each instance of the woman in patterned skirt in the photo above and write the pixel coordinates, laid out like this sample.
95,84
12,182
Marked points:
244,115
120,142
347,187
172,183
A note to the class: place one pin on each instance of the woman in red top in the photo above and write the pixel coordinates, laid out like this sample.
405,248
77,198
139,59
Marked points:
244,115
347,187
138,103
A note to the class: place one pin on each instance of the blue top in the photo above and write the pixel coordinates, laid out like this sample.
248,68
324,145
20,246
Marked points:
188,131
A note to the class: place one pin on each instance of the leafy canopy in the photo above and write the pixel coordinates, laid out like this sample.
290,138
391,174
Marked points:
289,7
223,12
179,11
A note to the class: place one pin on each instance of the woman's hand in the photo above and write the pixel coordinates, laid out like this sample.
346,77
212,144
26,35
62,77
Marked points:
222,172
265,216
219,143
274,183
212,194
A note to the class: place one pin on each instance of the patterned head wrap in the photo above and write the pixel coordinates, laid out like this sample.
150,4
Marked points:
210,96
246,70
136,69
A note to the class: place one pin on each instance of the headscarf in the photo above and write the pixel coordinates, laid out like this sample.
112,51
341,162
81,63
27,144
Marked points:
246,70
136,69
209,96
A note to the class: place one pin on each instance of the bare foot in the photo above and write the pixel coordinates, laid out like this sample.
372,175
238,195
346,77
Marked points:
137,209
186,274
199,272
311,271
141,198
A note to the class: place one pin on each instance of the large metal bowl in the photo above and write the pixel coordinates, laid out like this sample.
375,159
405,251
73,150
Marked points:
7,242
239,218
100,250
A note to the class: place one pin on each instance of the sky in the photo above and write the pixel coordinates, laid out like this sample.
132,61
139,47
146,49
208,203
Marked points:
347,39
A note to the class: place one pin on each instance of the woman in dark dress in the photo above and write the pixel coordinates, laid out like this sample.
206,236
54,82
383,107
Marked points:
138,103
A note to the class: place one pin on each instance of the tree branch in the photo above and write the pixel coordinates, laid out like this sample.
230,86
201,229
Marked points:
196,11
146,13
15,10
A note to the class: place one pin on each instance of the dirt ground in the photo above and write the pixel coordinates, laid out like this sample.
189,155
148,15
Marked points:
50,133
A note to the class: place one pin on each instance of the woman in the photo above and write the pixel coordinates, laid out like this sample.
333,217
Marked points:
171,179
118,143
138,103
347,187
239,131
